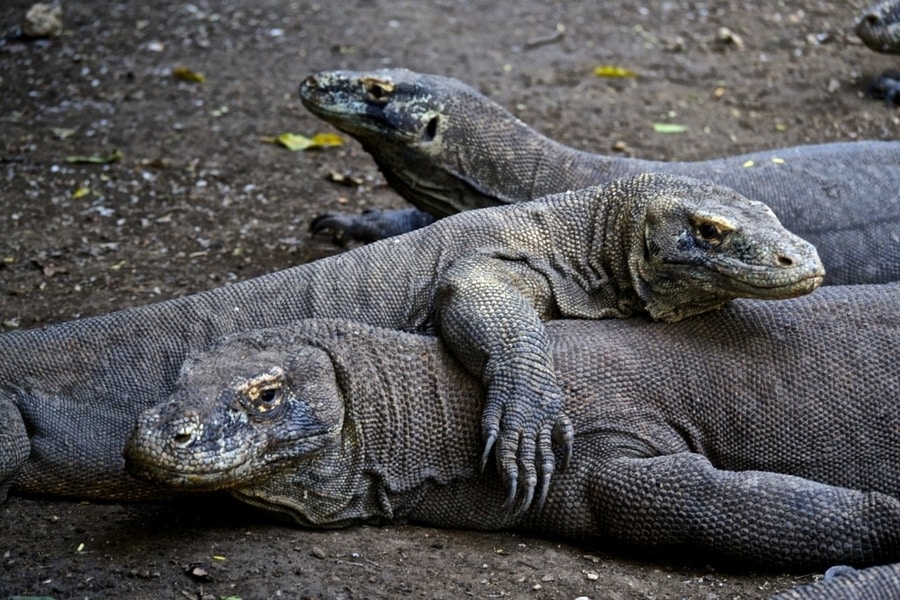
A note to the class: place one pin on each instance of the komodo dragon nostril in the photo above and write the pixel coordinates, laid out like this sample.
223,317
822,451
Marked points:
186,432
784,261
872,20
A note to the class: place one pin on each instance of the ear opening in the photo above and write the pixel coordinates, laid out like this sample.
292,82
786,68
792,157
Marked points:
431,129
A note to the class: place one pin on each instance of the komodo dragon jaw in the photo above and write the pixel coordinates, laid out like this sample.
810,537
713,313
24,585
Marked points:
208,438
879,26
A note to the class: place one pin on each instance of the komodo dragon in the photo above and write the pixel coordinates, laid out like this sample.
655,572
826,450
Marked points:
765,432
446,148
879,28
667,246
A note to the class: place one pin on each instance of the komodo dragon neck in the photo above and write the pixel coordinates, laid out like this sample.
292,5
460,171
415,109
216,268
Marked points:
385,461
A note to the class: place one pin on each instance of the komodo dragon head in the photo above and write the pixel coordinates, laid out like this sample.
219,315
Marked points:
408,121
238,413
694,245
879,26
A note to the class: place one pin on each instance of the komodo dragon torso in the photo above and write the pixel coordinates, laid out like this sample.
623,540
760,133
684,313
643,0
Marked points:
766,432
446,148
879,28
484,281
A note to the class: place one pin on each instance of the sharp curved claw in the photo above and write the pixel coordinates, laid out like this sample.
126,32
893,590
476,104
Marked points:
545,488
512,485
564,437
331,223
490,437
528,496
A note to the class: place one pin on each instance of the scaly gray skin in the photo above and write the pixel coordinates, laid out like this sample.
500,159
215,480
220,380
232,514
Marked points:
446,148
670,247
879,27
766,432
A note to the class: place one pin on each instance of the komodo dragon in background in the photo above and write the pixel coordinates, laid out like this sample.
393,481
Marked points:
485,280
446,148
765,432
879,28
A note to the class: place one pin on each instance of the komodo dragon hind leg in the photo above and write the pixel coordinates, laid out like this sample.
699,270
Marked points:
14,445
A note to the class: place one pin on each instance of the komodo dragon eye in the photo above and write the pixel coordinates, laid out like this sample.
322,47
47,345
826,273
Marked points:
268,398
710,232
378,90
264,394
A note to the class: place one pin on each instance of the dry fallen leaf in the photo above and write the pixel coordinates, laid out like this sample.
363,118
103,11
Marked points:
613,71
296,142
94,159
63,132
669,128
342,179
185,74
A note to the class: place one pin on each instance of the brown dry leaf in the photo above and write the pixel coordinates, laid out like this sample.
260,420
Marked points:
94,159
613,71
296,142
186,74
342,179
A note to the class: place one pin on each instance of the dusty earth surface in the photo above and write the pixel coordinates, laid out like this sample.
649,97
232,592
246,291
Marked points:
198,199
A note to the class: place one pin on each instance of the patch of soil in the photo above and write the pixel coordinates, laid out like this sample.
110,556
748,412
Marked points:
198,200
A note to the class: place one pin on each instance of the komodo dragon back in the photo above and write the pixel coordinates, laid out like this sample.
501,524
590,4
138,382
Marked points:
446,148
765,432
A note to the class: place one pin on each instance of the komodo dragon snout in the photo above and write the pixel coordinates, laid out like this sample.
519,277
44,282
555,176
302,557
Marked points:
208,436
879,26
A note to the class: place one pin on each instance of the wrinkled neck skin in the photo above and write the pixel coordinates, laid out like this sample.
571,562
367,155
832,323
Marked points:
589,270
524,165
386,458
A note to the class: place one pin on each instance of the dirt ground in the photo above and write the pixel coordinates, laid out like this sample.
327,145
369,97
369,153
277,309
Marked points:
198,200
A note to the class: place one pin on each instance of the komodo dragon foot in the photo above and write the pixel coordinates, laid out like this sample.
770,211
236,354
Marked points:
372,225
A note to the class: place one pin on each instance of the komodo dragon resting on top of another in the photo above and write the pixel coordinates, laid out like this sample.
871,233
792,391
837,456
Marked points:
767,432
446,148
879,27
483,280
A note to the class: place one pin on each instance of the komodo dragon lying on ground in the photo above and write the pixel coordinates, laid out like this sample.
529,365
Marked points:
767,432
485,280
879,28
446,148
